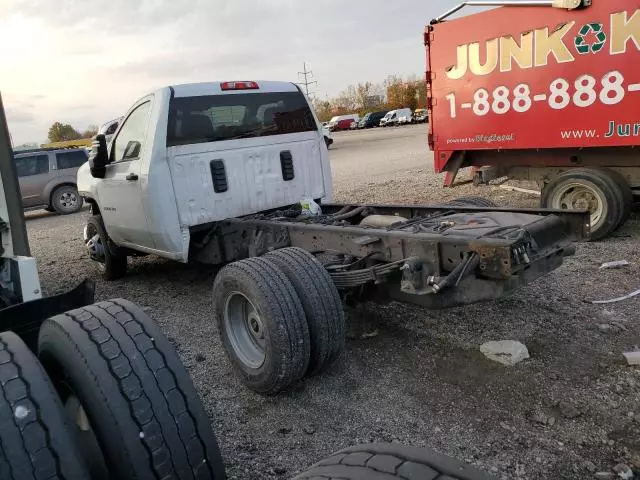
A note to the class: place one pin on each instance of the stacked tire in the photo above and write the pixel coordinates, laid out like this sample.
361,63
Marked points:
280,318
107,398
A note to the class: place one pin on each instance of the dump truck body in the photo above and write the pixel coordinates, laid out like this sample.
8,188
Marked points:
532,92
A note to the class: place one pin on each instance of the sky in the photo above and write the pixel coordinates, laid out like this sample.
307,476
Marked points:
86,61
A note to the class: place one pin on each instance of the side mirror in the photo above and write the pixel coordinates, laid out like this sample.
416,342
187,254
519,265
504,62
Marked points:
132,150
98,157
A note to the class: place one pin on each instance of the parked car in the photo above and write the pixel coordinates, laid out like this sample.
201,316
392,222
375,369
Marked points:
372,119
334,123
420,115
393,117
327,135
48,179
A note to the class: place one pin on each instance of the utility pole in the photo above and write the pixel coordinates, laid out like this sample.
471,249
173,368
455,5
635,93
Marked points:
308,79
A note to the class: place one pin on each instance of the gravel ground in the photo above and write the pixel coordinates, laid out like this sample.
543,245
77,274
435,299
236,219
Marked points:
570,411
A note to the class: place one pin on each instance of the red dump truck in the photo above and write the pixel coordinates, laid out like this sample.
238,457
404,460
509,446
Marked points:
547,91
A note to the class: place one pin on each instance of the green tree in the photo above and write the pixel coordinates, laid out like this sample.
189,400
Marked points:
61,132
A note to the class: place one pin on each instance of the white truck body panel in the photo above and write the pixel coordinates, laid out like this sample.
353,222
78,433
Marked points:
174,190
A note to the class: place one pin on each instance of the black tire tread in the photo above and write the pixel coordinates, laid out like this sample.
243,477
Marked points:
119,346
38,446
390,462
625,191
321,302
284,307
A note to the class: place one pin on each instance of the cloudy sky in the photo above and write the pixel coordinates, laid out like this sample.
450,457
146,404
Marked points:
85,61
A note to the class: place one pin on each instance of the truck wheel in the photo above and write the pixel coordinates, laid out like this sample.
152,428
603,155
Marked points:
112,266
262,324
135,411
320,301
66,200
587,189
391,462
35,439
472,202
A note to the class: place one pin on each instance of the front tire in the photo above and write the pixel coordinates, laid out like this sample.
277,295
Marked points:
262,325
66,200
138,413
112,265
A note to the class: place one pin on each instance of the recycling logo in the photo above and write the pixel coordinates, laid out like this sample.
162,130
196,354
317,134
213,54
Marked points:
583,46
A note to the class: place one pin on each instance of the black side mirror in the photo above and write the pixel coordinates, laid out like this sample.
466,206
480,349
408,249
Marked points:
132,150
98,157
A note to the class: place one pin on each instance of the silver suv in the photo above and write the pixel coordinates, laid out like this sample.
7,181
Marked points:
48,179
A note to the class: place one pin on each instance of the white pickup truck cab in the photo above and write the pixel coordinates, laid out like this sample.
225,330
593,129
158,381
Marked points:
189,155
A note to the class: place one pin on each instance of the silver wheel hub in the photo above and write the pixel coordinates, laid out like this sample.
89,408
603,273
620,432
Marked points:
245,330
68,200
582,196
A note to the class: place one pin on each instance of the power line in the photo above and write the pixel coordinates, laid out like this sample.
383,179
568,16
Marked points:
308,79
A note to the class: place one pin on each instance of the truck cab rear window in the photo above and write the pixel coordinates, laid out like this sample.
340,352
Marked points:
215,118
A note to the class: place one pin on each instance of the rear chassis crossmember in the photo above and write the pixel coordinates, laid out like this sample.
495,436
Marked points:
434,256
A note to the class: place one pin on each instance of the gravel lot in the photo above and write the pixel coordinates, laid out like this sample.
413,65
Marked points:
572,410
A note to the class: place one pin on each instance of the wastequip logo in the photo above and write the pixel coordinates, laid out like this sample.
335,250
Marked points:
537,46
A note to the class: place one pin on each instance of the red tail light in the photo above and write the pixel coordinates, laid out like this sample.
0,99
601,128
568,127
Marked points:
239,86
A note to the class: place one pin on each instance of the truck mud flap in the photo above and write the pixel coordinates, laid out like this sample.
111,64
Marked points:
25,319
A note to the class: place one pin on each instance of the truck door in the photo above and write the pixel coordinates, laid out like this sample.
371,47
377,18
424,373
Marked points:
120,193
33,174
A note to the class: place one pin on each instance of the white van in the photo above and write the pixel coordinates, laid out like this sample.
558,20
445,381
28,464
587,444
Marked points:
393,117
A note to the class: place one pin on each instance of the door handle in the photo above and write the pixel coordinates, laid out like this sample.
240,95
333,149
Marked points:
132,177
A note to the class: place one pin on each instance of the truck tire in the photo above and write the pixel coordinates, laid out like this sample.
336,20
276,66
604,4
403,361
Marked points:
134,406
66,200
472,202
390,462
262,324
35,439
321,303
627,195
591,189
112,265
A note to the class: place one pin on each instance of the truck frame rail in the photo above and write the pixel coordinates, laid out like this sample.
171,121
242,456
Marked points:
437,256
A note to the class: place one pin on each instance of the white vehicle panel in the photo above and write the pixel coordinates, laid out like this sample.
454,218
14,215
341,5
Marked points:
254,176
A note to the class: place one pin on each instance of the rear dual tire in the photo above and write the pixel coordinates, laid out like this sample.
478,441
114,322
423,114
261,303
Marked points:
280,318
605,193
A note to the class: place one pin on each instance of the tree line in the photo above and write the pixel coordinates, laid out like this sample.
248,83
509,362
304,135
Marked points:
395,92
62,132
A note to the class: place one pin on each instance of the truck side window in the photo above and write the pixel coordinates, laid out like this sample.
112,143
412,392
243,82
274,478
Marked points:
32,165
134,129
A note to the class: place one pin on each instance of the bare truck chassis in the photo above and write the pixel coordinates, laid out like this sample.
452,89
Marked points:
436,256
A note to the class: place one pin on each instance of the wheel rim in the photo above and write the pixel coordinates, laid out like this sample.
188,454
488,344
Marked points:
581,196
68,200
86,440
245,329
95,246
